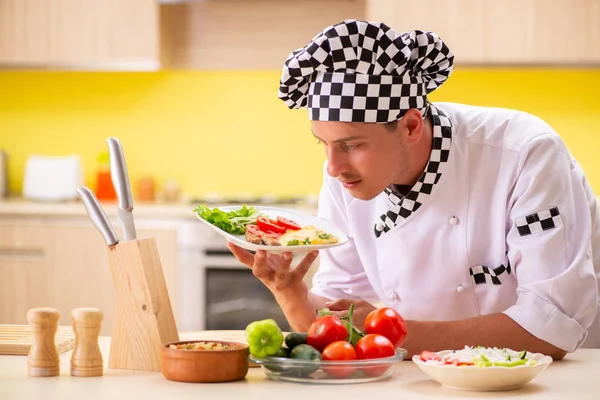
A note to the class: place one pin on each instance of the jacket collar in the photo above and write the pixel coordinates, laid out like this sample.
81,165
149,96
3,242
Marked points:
403,207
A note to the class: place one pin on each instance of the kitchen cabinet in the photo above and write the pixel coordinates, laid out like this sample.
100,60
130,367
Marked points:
488,32
82,34
62,263
246,34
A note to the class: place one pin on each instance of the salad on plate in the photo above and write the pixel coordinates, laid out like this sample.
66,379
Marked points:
481,357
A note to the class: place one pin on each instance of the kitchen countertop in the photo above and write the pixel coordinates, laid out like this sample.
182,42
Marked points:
575,377
14,207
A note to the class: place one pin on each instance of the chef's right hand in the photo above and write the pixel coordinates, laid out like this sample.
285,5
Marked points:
274,270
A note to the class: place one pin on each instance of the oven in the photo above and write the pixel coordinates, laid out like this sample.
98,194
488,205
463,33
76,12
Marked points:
233,296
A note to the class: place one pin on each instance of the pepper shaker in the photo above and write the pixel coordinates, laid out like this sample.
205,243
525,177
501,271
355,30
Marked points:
86,359
42,359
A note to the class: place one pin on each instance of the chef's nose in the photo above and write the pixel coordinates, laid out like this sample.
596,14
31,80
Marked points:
336,164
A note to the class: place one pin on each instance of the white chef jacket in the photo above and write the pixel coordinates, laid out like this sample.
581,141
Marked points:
510,225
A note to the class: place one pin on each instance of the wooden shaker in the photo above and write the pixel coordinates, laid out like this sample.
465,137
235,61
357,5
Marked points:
42,359
86,359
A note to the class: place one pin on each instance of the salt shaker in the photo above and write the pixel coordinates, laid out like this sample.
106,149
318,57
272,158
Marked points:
86,359
42,359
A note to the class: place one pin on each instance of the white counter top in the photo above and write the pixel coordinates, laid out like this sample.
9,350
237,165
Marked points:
24,208
575,377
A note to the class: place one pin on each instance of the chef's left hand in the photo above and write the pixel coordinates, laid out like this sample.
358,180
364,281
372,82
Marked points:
339,308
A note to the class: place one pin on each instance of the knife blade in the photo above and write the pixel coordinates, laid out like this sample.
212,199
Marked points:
120,179
97,215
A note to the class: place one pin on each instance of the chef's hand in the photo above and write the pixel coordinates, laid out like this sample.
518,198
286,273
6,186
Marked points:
274,270
339,308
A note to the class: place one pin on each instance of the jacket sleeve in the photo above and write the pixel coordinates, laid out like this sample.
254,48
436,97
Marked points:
550,245
340,273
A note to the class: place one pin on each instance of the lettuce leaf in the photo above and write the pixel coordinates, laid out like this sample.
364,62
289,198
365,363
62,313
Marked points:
233,222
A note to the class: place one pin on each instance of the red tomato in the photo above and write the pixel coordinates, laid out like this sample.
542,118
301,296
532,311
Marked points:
269,225
288,224
373,346
429,355
255,230
337,351
326,330
387,322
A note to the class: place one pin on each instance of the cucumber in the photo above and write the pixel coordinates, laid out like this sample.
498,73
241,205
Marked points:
305,352
295,338
282,352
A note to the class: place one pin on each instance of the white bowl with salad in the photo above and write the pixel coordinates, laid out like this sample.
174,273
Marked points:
482,368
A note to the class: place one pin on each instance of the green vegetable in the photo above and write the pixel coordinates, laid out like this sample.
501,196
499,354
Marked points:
264,338
306,352
306,241
232,221
295,338
324,236
282,352
293,242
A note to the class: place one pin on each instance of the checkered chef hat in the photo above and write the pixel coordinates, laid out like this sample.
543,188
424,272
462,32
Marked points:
358,71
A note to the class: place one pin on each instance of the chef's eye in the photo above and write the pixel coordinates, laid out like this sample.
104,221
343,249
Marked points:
348,147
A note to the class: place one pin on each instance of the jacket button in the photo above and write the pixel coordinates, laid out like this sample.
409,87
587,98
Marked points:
394,296
453,220
460,289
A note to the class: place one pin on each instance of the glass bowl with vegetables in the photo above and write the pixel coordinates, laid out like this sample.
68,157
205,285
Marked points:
332,351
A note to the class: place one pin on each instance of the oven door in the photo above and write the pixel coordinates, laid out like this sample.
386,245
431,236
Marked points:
234,296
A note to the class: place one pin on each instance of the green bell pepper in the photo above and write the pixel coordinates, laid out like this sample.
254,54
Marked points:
264,338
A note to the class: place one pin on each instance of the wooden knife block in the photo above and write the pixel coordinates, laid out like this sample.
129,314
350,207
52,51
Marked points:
143,314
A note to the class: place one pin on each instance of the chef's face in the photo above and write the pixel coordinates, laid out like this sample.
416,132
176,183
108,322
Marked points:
367,158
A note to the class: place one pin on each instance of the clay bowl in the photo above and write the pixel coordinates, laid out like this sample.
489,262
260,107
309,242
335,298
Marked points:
204,365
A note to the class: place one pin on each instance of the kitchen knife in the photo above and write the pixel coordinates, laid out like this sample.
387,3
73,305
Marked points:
120,180
97,215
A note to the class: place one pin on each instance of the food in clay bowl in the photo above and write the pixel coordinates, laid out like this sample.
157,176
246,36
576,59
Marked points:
200,361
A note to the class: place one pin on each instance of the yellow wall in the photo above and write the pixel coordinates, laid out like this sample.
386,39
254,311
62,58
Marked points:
227,132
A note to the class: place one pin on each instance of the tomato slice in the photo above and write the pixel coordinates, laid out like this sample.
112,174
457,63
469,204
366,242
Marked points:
288,224
427,355
255,230
269,225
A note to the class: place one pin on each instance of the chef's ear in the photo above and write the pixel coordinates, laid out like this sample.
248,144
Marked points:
413,121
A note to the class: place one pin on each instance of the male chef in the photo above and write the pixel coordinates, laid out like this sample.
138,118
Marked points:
476,224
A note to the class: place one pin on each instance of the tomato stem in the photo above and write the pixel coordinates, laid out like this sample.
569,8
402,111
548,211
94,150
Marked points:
351,329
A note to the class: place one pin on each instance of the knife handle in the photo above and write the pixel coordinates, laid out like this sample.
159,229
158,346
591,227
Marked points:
119,175
98,216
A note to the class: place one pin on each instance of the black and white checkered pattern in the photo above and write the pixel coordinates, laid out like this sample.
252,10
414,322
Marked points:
358,71
440,151
482,274
539,222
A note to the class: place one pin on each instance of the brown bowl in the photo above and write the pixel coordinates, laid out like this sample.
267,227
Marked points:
204,365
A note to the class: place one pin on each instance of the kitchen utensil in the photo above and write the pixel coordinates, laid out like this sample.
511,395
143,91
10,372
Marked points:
120,179
43,359
86,359
144,317
98,216
483,378
329,372
204,365
16,340
52,178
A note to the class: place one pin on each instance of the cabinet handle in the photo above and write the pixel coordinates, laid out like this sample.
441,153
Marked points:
22,254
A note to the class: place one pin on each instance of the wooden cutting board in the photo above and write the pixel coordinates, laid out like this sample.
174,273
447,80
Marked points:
17,339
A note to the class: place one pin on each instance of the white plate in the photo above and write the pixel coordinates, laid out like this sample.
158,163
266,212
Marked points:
483,379
301,218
